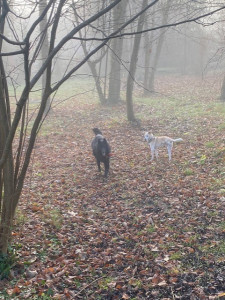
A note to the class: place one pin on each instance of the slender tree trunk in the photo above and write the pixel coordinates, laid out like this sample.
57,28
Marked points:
116,54
7,175
7,213
44,49
222,93
97,82
151,85
6,171
133,66
148,53
92,65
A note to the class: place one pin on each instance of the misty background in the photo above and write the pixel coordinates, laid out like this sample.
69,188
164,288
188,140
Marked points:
193,48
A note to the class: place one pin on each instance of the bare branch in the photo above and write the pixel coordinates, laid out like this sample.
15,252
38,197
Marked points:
154,28
10,41
12,53
102,44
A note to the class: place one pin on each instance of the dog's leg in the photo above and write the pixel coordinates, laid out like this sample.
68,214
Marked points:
152,152
106,168
98,163
156,154
169,149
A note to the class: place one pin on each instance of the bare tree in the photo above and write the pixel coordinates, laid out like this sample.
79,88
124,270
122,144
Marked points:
13,172
44,45
116,55
92,63
133,66
148,44
222,94
160,41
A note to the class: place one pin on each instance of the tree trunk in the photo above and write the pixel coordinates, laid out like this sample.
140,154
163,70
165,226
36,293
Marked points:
148,52
44,49
6,171
116,54
151,85
96,76
222,94
8,210
7,175
133,66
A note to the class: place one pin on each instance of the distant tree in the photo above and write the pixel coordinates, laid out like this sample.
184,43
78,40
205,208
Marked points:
222,94
44,47
91,63
133,65
148,45
116,54
158,48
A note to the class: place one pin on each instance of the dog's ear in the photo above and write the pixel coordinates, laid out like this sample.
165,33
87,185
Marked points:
146,135
97,131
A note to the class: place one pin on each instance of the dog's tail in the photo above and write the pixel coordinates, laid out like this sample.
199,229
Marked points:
97,131
178,140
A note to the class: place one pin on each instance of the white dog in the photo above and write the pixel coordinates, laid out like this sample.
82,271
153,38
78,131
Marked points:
157,141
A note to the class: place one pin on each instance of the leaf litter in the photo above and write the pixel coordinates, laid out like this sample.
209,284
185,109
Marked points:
152,230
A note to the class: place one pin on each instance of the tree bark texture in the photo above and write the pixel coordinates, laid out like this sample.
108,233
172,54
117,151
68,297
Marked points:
133,67
165,13
44,48
116,55
222,93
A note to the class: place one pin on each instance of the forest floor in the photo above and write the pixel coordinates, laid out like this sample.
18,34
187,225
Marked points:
152,230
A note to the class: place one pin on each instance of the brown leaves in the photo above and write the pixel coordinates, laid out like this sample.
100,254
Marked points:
15,291
152,230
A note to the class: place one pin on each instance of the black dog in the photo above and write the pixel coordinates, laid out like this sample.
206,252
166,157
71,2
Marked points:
101,150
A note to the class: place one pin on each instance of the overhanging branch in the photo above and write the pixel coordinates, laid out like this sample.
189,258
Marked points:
113,36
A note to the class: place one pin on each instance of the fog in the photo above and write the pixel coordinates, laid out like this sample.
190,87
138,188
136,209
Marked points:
193,48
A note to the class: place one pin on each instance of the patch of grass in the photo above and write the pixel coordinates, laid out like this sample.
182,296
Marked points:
21,218
7,262
222,225
188,172
221,126
47,295
220,249
54,218
214,248
217,183
219,108
176,255
135,282
150,228
105,282
222,191
212,213
202,159
220,152
192,240
43,255
210,144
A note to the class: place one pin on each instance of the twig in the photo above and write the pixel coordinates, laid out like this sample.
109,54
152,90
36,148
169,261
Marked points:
172,293
89,285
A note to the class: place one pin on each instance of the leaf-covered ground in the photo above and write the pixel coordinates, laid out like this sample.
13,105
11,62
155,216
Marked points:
152,230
